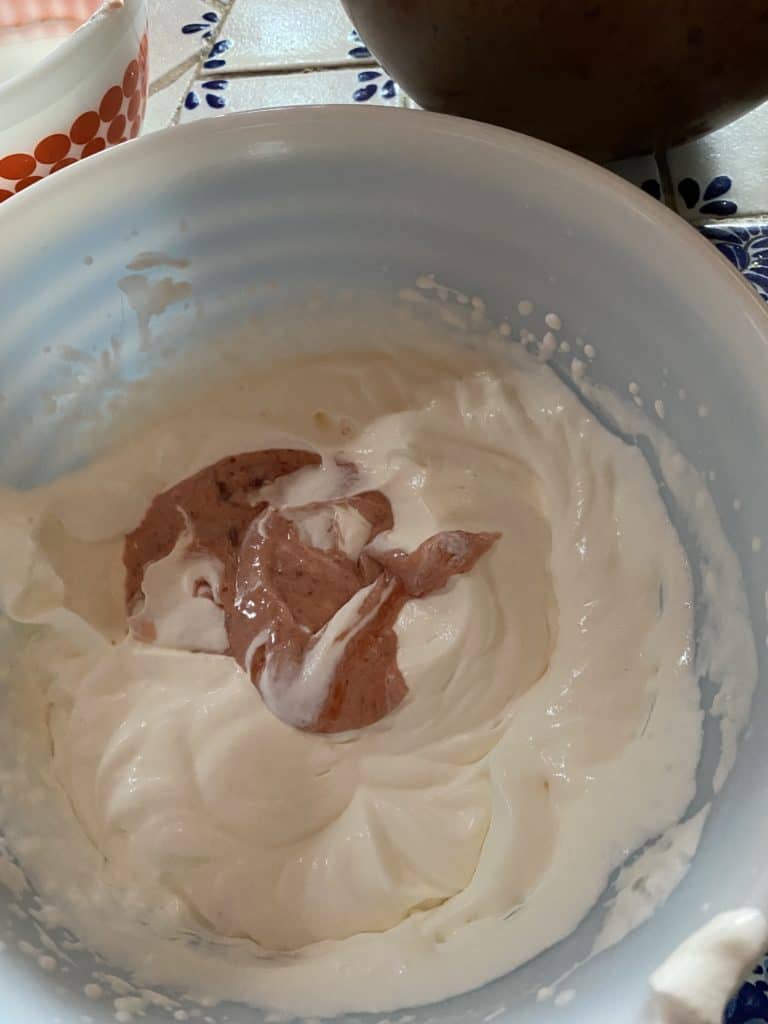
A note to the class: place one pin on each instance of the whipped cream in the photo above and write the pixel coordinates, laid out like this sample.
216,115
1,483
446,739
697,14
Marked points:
693,985
463,833
173,612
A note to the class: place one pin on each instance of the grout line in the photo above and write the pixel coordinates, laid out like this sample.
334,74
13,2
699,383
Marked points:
741,221
174,120
195,62
666,181
173,75
290,69
192,62
225,10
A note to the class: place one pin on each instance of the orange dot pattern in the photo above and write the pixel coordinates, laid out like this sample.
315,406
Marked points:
117,117
52,148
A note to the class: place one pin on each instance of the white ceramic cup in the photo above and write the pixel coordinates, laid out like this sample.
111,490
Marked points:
88,94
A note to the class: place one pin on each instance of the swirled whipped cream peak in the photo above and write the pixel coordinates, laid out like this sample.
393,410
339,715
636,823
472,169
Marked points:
305,598
443,543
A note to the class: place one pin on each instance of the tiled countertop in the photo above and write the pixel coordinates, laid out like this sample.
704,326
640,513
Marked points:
208,57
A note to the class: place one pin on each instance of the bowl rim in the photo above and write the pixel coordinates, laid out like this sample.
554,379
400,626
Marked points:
28,93
394,127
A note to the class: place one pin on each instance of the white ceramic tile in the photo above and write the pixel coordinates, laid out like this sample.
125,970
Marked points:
218,95
294,34
179,31
164,104
724,174
642,171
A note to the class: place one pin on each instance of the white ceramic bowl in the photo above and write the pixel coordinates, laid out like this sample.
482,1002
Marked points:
269,206
88,94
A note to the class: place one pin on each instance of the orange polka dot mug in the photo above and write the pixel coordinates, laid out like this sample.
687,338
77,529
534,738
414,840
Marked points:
86,95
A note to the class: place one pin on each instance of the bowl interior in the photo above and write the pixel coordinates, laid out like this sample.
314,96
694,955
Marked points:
262,209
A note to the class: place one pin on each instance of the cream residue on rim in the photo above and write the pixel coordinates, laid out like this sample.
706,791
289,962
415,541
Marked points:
470,825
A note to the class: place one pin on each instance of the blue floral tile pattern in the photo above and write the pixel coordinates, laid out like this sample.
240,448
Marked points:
746,246
653,187
215,60
211,91
357,48
373,83
181,32
750,1006
711,203
206,97
205,26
